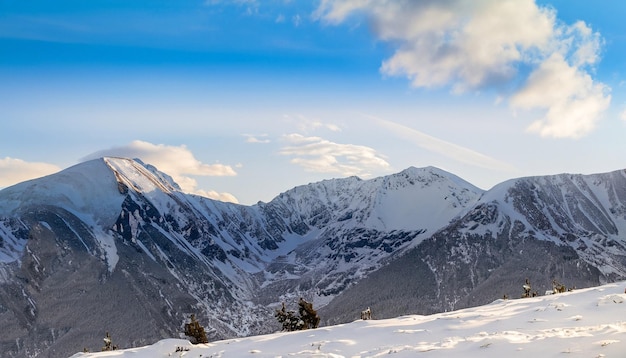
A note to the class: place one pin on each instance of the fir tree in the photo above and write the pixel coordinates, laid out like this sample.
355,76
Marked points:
307,318
308,314
195,331
288,319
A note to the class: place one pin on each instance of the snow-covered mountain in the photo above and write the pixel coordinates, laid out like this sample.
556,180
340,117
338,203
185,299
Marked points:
569,228
585,323
114,245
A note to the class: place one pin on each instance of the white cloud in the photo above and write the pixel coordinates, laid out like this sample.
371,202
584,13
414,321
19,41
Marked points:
466,44
469,45
573,102
178,162
13,171
319,155
212,194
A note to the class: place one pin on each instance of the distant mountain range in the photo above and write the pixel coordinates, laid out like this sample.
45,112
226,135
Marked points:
114,245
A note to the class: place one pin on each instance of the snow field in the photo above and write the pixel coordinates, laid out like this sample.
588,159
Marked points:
584,323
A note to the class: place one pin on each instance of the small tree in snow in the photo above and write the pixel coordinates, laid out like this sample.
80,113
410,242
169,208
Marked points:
366,314
558,287
527,287
307,318
195,331
288,319
108,343
308,314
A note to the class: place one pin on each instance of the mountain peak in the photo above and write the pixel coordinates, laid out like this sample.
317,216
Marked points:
93,190
433,173
141,177
87,189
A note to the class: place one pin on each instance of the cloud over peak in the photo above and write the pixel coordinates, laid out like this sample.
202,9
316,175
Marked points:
473,45
177,161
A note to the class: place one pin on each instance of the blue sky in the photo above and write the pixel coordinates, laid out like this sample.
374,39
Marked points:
241,100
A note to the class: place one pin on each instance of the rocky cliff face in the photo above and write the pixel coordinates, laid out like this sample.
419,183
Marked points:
569,228
114,245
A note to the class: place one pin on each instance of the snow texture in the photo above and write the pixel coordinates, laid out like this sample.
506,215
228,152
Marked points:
584,323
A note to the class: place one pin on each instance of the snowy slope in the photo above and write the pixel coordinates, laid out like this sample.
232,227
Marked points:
585,323
585,212
89,190
349,227
414,199
565,227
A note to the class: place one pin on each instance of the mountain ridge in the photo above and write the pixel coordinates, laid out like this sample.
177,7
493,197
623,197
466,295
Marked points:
562,227
122,226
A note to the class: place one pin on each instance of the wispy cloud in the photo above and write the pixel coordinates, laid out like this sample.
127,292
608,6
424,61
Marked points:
177,161
315,154
251,6
442,147
296,20
307,125
257,138
470,45
13,171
